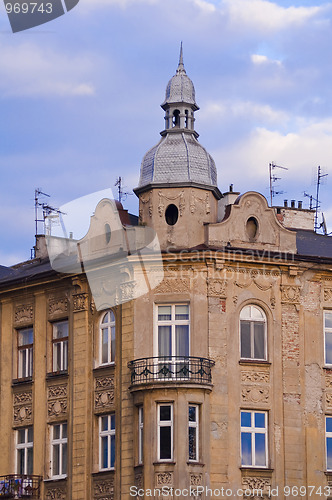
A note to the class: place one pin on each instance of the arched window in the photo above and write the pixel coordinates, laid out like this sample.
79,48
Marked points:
176,118
253,333
107,338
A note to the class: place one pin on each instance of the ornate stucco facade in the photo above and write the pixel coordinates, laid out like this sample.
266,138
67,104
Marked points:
218,377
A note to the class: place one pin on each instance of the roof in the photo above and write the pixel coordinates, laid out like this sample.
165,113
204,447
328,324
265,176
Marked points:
310,243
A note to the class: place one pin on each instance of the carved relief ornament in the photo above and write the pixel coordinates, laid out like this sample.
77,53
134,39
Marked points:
250,376
24,314
80,302
217,288
22,408
57,401
56,494
256,483
290,294
328,294
255,395
57,306
164,479
163,196
104,487
173,285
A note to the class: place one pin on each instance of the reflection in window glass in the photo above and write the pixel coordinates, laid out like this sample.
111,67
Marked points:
253,333
254,438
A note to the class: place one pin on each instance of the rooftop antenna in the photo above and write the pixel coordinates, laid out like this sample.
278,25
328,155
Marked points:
316,207
47,210
122,195
274,178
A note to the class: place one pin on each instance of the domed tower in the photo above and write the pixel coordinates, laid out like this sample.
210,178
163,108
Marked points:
178,189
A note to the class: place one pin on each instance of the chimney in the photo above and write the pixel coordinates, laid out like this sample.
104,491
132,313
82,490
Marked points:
300,205
285,203
292,203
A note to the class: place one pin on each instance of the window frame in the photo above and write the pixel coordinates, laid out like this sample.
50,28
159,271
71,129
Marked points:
172,323
252,321
109,326
24,351
108,433
253,431
25,446
64,348
165,423
326,330
328,435
194,425
140,434
61,442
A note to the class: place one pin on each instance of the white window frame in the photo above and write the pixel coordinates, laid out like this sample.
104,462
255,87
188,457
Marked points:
25,446
326,330
63,341
253,431
328,435
107,326
108,433
173,323
165,423
24,356
61,442
194,425
140,434
252,321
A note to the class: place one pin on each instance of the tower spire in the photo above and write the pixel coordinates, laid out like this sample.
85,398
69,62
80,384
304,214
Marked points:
181,69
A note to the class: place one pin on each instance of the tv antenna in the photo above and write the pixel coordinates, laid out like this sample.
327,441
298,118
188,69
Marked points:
316,207
122,195
273,179
47,212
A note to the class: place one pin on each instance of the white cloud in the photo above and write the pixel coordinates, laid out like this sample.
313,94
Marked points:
28,69
248,110
205,6
261,59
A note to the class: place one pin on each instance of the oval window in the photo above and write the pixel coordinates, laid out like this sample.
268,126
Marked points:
107,233
252,228
171,215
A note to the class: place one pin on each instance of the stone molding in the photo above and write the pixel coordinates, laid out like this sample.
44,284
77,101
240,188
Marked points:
22,408
163,479
217,288
327,294
173,285
255,395
80,302
254,377
23,314
103,489
57,306
256,483
104,393
290,294
57,403
58,493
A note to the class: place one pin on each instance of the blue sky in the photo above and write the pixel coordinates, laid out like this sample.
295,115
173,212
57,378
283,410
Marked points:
80,99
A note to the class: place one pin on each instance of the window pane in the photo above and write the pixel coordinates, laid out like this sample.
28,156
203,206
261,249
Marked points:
104,423
182,340
164,341
104,347
56,431
182,312
112,343
64,430
260,457
246,448
328,347
30,434
60,330
106,318
104,452
57,356
329,453
245,340
30,461
64,458
164,313
245,313
112,421
256,313
259,341
192,443
112,450
245,419
328,320
21,436
192,413
165,443
328,424
56,460
260,420
25,337
165,413
65,355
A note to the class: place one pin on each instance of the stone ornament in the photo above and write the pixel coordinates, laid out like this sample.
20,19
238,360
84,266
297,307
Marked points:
80,302
56,494
164,479
256,483
57,306
104,382
24,314
328,294
201,201
173,285
23,408
163,196
196,479
104,393
261,377
328,398
255,395
290,294
57,391
217,288
104,489
146,199
57,401
139,480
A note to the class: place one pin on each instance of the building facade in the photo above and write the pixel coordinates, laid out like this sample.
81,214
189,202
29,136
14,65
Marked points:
217,381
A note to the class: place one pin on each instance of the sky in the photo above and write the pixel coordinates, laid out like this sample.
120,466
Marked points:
80,100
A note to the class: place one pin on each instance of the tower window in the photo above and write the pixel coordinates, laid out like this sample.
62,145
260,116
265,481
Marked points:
171,215
176,118
107,233
186,120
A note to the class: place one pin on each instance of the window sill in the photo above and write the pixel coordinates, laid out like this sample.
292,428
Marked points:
19,381
101,472
199,464
103,367
254,362
52,375
164,462
250,468
55,479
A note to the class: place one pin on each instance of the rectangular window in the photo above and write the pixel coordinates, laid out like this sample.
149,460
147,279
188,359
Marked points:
328,337
25,352
140,434
328,430
254,438
107,339
60,346
24,451
165,432
107,442
59,451
193,429
173,339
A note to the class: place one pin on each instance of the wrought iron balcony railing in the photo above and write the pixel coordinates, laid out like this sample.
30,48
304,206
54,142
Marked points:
20,486
171,369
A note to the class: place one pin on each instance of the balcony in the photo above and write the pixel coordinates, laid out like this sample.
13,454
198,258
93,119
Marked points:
171,370
20,486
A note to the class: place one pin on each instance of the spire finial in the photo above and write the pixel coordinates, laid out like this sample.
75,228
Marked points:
181,66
